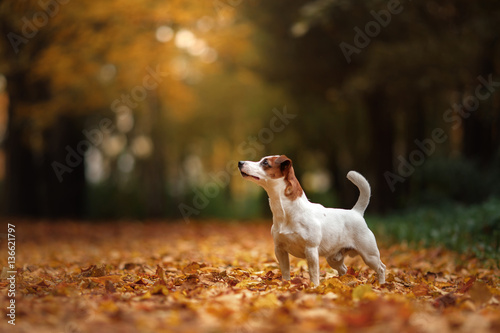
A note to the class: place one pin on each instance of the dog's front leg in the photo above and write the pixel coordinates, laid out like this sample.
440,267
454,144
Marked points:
284,262
312,257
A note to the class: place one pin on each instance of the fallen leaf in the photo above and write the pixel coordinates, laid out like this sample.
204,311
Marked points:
267,301
161,275
110,287
94,271
147,295
421,289
109,306
480,293
45,283
159,289
192,268
468,284
364,291
445,301
225,278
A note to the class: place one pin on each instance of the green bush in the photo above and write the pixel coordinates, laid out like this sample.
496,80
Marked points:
473,230
441,181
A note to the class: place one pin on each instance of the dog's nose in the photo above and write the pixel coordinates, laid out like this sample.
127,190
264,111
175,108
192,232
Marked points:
240,164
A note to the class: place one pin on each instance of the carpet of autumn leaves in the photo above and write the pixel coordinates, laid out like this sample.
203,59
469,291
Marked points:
223,277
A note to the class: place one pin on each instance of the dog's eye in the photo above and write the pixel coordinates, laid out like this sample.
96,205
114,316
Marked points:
265,163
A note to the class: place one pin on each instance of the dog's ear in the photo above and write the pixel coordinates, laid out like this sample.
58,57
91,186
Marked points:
293,189
284,162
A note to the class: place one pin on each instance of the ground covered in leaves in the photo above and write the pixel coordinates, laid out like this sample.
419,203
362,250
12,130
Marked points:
220,277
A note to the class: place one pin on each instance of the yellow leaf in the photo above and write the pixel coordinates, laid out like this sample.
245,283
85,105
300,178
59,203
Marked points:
147,295
108,306
159,289
192,268
364,291
302,264
247,283
161,275
335,285
267,301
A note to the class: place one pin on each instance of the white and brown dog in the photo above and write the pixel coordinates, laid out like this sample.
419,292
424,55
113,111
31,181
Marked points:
308,230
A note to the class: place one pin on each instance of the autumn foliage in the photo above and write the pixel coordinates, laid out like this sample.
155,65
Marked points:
223,277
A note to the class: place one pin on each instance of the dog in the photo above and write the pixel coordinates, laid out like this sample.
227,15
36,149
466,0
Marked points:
308,230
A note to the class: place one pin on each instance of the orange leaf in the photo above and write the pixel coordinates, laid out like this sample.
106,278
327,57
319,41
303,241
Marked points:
421,289
159,289
467,285
192,268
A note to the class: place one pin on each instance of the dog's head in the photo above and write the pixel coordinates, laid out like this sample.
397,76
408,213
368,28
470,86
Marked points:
270,171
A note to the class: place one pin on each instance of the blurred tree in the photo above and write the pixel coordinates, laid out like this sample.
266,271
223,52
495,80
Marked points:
137,98
113,80
371,77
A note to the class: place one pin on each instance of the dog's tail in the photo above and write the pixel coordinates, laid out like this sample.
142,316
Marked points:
364,191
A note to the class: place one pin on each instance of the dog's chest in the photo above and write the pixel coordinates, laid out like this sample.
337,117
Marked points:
290,240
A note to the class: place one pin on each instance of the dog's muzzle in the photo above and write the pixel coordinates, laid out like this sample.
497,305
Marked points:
244,174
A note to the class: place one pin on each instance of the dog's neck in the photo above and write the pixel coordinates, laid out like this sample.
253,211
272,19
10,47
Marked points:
282,205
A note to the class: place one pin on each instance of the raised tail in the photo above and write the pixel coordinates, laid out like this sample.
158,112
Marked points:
364,191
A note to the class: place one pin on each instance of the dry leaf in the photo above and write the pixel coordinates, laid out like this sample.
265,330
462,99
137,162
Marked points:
363,291
445,301
161,275
480,293
421,289
225,278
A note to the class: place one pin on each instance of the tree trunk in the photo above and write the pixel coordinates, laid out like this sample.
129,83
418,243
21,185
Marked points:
381,148
64,196
32,187
155,183
21,172
480,140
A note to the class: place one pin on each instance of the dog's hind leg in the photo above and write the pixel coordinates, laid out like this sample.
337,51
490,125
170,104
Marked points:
368,250
374,262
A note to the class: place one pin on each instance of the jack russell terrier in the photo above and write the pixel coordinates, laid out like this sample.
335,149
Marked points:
308,230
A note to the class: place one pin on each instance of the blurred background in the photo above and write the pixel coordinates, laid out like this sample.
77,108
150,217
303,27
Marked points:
141,109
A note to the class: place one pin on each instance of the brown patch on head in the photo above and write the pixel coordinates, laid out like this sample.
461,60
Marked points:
281,166
272,168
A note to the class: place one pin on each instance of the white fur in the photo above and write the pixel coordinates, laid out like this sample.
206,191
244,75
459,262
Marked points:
308,230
